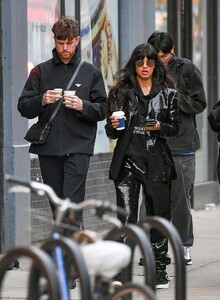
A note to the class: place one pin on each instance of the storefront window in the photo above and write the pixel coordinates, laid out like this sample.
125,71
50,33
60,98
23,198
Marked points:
70,8
161,15
99,40
99,45
41,16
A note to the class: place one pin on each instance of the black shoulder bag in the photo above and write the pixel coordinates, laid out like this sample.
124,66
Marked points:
38,133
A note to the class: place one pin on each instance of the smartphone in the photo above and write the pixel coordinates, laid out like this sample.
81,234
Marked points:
148,122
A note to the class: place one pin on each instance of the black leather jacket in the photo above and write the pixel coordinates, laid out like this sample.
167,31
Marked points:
165,105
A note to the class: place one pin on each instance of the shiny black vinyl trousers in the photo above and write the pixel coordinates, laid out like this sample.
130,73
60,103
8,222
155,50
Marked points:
154,176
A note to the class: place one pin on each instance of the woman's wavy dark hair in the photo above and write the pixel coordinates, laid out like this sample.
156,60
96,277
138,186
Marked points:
126,77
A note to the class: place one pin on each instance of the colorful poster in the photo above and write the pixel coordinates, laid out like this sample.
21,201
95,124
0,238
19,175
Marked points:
99,45
99,32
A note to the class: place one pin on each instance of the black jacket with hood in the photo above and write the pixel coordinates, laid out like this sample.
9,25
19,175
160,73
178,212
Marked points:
72,131
192,101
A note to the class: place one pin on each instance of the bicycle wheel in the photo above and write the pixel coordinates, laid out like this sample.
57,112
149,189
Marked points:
134,291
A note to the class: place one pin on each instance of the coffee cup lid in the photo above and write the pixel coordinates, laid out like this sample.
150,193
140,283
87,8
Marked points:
118,113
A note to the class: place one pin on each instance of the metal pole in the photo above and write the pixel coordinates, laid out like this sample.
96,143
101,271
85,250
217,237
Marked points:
1,139
78,18
186,28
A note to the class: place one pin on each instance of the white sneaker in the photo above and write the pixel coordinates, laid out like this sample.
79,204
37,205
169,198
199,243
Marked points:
187,256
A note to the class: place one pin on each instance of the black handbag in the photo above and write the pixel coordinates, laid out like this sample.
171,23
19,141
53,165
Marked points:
38,133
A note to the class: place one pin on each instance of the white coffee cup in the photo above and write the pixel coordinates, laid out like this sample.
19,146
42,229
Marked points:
59,90
69,93
120,116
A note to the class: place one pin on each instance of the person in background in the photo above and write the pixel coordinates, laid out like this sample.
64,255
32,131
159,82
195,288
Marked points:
192,101
142,157
64,158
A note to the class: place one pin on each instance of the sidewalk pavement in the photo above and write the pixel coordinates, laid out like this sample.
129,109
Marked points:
203,277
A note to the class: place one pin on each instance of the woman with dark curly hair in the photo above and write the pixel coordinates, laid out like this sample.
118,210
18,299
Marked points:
142,157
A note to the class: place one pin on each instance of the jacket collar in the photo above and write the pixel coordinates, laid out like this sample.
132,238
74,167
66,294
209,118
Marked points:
156,88
57,59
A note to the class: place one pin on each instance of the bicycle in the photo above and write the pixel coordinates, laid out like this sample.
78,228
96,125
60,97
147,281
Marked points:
101,286
55,247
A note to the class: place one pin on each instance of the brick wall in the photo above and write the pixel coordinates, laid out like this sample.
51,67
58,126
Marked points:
98,186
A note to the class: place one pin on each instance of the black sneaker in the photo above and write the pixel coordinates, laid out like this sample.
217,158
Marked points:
167,259
141,261
14,265
71,284
162,280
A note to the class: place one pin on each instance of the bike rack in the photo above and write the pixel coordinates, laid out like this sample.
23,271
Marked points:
73,252
170,232
40,259
135,236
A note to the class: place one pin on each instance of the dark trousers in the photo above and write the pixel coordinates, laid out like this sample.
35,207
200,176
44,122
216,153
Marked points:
66,175
181,196
156,192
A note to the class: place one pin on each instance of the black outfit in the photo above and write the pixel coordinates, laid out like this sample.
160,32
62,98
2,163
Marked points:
143,158
64,158
192,101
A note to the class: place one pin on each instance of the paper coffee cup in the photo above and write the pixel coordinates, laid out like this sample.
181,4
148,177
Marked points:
59,90
120,116
69,93
68,103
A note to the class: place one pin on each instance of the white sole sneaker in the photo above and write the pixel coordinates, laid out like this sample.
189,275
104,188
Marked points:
187,256
162,286
188,262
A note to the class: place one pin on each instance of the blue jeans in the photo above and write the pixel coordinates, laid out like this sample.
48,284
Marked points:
181,194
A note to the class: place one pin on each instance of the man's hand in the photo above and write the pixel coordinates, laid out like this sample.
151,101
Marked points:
51,96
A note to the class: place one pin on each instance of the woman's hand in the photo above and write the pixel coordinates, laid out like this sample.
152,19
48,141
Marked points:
114,121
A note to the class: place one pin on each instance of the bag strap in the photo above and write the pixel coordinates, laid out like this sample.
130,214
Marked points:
75,74
185,65
67,88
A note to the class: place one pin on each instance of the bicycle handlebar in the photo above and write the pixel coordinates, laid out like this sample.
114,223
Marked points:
39,187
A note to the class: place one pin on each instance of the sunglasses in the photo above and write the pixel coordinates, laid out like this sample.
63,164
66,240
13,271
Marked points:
140,62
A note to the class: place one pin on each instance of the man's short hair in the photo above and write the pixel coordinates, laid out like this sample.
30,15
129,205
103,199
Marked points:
161,41
65,28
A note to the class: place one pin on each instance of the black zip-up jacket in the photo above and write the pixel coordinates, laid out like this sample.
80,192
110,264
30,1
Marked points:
72,131
192,101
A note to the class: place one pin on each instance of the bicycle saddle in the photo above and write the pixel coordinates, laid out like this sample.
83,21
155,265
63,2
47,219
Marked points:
106,258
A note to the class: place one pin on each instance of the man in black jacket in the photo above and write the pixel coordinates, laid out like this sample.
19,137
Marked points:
64,158
192,101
